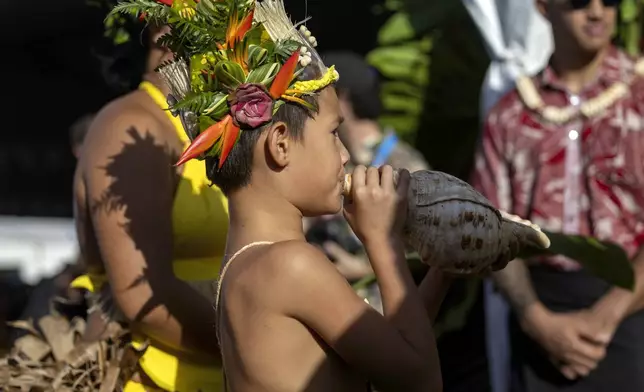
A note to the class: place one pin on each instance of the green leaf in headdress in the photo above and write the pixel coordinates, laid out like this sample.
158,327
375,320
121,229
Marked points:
256,56
205,122
219,106
200,102
230,74
284,49
264,74
278,104
254,35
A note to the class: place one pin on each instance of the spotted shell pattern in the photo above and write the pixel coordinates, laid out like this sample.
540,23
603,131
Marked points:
455,228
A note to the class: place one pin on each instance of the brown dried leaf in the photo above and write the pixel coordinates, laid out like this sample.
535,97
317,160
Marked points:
58,333
79,325
5,374
108,383
82,380
58,381
27,325
115,331
82,353
33,348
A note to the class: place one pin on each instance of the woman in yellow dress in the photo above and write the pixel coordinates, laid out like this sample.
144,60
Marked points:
150,233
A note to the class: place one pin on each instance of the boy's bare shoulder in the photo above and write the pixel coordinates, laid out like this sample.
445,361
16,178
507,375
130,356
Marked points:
297,267
297,258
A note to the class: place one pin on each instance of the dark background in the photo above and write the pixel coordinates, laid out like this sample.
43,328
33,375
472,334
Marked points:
53,76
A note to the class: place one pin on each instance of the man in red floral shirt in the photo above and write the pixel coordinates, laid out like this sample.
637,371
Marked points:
565,149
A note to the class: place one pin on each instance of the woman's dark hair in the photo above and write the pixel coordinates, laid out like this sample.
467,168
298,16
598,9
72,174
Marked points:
122,65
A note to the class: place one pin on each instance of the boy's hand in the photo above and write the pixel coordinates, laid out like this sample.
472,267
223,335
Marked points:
378,209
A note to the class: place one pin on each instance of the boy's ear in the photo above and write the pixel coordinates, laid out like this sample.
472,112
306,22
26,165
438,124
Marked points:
278,144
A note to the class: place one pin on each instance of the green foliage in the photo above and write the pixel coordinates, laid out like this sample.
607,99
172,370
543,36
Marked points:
256,56
282,50
428,15
263,74
206,103
156,13
403,59
230,74
115,24
187,36
630,25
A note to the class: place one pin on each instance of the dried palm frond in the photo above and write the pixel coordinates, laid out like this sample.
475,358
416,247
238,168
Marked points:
58,360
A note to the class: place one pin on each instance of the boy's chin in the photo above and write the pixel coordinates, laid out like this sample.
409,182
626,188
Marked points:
337,207
333,208
336,210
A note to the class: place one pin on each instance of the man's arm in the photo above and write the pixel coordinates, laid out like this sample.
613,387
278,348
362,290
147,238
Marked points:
397,352
128,174
514,282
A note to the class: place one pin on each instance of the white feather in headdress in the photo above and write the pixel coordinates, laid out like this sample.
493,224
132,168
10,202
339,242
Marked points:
278,25
176,75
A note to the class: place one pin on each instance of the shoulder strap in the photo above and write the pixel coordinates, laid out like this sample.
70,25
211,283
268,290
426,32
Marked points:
230,261
219,282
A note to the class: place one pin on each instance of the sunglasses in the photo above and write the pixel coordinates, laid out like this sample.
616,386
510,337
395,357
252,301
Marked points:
581,4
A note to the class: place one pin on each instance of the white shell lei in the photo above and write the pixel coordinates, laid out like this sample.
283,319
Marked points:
590,108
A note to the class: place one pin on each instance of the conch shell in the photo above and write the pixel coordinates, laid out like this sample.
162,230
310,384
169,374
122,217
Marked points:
455,228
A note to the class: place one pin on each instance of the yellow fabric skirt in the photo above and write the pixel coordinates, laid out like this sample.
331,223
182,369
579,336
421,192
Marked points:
165,370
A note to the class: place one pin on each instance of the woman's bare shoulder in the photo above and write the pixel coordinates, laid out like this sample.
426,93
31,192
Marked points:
127,119
133,110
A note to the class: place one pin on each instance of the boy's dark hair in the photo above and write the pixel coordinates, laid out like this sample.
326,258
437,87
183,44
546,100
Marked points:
235,173
359,81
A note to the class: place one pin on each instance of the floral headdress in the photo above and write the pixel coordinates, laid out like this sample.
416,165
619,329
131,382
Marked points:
236,62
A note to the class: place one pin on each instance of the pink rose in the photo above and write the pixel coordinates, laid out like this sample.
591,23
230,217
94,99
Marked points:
250,105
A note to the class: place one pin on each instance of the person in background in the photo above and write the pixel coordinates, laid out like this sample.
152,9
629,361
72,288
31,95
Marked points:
564,149
152,235
359,94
